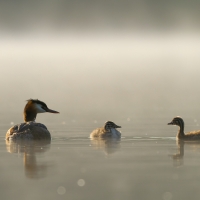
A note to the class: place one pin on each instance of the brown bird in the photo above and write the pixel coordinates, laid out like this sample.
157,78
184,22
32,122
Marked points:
108,130
193,135
30,129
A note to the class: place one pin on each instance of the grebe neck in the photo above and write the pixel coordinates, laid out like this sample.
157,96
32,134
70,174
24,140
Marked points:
29,116
181,130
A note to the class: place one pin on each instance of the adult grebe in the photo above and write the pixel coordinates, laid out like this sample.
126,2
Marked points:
178,121
109,130
30,129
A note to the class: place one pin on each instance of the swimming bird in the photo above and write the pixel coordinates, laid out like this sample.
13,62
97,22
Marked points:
31,129
108,130
178,121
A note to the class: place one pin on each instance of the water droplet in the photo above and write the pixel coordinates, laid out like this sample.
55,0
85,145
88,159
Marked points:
81,182
61,190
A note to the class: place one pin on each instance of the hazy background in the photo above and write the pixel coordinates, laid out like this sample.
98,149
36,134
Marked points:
100,59
136,63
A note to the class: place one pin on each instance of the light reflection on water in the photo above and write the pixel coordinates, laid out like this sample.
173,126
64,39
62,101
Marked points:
108,145
29,151
77,167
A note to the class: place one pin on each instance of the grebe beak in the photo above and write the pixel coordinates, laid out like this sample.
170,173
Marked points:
51,111
170,123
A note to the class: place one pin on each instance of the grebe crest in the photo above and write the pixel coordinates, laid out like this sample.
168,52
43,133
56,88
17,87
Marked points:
33,107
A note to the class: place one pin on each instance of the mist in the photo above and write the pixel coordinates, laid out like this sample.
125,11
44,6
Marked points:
108,58
68,15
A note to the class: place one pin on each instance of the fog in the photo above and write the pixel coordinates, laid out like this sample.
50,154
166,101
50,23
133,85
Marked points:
94,58
68,15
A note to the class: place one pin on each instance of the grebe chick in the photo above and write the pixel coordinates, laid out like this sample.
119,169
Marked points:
178,121
109,130
30,129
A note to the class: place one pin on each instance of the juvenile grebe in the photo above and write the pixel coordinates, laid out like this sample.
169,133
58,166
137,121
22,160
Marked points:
194,135
109,130
30,129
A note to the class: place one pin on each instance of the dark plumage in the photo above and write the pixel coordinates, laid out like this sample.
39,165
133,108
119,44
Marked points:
194,135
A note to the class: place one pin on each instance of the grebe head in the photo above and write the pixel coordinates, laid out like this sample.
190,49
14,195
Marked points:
108,125
33,107
39,106
178,121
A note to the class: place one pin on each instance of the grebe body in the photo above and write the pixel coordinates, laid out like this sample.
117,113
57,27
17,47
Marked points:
31,129
107,131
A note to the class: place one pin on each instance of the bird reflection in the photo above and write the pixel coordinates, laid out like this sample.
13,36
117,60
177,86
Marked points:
109,145
30,149
178,157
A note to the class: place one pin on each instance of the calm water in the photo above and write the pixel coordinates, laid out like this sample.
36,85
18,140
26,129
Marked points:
142,165
139,82
132,62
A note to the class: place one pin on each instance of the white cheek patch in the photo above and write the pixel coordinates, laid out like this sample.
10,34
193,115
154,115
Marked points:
39,108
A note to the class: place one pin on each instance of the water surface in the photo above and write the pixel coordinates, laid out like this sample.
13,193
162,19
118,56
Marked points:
72,166
132,62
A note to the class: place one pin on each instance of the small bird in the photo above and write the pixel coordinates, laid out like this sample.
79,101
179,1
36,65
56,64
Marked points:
30,129
109,130
178,121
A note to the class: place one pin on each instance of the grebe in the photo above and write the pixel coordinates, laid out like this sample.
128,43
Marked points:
30,129
109,130
178,121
